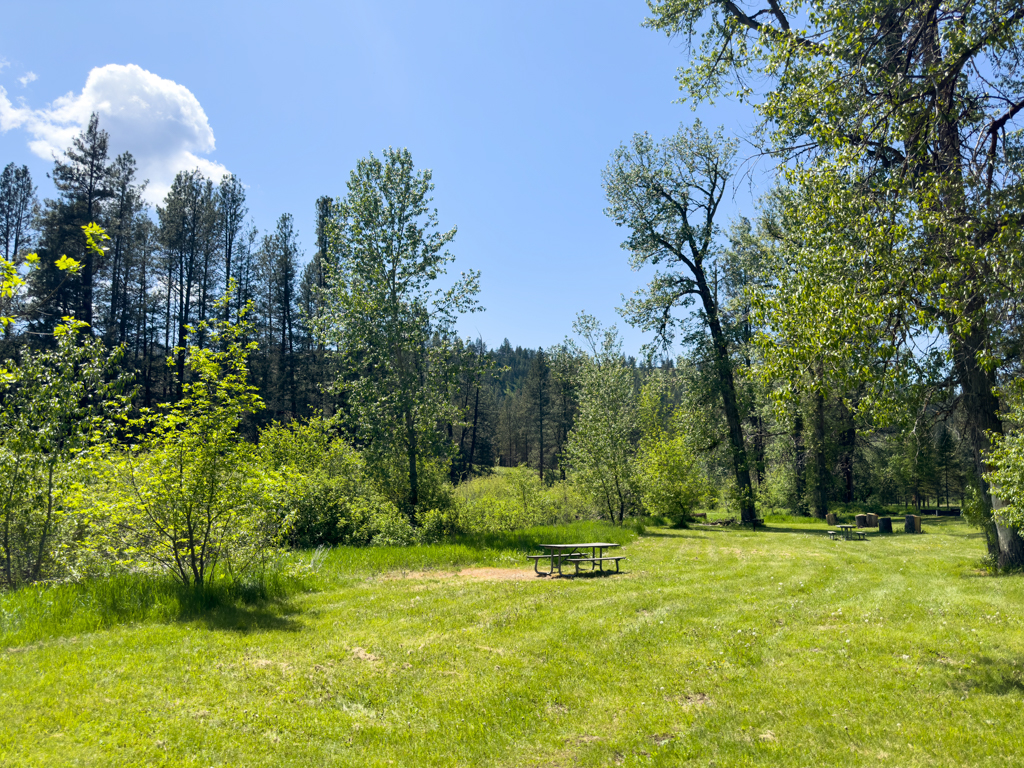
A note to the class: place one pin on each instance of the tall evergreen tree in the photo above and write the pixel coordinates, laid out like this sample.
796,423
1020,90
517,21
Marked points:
84,181
231,211
17,208
188,234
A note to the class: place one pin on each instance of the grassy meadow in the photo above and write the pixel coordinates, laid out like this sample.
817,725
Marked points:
715,646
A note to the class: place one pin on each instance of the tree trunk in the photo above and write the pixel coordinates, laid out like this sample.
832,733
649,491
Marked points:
410,431
820,496
847,446
757,425
800,464
981,407
472,440
727,388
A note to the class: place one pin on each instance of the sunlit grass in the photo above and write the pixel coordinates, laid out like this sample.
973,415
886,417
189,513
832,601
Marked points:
773,647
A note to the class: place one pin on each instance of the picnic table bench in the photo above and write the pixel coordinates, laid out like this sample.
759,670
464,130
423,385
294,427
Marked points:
557,554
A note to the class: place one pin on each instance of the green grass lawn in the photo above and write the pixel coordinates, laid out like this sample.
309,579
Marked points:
714,646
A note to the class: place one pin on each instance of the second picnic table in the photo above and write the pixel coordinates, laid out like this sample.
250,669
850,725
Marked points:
558,553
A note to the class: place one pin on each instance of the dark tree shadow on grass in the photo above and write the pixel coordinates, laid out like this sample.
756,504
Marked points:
995,676
245,619
674,533
249,605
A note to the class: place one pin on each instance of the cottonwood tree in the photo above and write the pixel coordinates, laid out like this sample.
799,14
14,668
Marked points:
899,123
392,327
602,443
667,195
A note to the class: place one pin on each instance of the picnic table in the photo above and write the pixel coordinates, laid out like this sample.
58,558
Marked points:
848,531
556,554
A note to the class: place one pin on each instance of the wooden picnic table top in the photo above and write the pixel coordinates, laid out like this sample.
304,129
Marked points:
602,544
846,525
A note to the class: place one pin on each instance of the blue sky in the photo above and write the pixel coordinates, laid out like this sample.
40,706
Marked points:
515,107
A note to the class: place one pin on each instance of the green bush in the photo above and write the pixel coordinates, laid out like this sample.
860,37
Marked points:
513,499
437,525
391,528
190,496
671,483
52,402
327,496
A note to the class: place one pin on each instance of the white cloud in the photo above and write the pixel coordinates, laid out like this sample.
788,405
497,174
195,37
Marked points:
159,121
30,77
4,63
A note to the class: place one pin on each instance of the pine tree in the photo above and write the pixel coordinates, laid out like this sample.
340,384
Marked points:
84,180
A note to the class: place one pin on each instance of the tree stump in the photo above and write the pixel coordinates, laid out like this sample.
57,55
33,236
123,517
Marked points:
862,521
885,525
872,520
830,518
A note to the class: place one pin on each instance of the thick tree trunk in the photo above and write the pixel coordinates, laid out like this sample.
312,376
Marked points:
981,408
800,464
847,447
727,388
820,496
410,431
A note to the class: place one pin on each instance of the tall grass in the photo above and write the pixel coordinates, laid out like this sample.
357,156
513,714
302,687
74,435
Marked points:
61,610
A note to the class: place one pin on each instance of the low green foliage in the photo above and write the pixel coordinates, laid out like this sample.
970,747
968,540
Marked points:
507,500
52,402
327,494
1007,461
668,477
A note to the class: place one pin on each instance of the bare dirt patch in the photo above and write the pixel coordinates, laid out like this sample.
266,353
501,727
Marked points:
497,574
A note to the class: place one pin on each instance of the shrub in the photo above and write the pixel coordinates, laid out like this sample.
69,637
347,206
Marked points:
191,495
51,404
328,498
391,528
670,482
513,499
